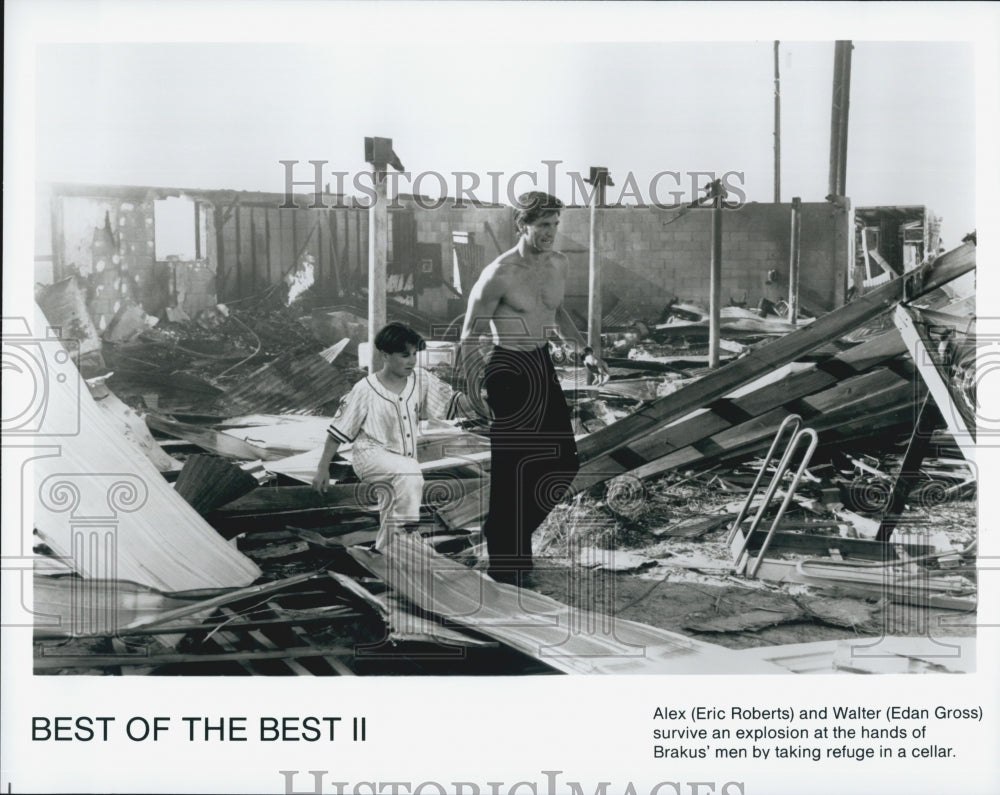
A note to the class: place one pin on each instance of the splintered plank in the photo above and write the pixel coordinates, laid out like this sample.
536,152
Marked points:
212,441
352,495
323,616
846,407
565,638
223,599
833,413
726,379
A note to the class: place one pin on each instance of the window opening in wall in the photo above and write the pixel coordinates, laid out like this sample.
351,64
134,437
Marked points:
177,229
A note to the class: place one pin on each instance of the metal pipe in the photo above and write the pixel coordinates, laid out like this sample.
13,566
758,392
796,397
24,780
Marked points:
793,420
769,494
806,433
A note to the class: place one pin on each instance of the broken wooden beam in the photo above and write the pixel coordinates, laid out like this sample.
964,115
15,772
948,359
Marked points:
214,442
598,446
351,495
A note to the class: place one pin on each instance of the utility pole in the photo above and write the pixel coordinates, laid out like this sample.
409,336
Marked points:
839,113
600,179
777,127
378,152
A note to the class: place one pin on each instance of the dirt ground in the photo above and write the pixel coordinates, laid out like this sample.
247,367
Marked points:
686,584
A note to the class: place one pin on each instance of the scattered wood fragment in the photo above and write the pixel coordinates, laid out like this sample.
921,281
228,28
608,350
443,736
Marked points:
613,560
694,526
210,440
849,613
746,613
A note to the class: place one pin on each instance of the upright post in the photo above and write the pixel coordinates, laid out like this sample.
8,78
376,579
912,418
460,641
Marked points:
600,179
777,127
378,152
795,249
715,280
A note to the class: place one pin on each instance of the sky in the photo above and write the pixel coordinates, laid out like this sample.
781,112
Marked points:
222,115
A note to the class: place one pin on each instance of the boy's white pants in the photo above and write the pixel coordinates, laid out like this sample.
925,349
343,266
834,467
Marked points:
398,486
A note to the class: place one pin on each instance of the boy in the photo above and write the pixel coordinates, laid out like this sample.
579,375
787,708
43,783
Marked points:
380,415
597,370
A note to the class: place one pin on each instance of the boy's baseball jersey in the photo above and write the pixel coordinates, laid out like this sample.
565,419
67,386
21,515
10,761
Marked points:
371,415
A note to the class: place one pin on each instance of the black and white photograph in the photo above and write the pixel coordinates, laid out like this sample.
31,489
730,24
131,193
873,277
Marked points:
499,398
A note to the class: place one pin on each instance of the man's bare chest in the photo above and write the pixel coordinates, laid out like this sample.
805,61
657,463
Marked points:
536,292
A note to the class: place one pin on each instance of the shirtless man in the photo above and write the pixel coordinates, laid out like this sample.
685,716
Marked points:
518,301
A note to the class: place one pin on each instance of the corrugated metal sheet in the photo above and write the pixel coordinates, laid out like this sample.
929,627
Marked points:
621,316
207,482
290,385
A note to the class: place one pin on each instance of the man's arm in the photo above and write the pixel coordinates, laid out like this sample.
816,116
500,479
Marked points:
571,336
484,298
322,477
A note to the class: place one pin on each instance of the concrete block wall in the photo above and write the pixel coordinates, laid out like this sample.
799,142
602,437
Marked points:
651,255
437,226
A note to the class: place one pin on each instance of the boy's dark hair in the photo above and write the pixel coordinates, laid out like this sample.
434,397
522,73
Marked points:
587,350
395,337
532,205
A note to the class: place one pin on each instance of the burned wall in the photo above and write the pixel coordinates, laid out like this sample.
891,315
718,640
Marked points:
105,238
248,243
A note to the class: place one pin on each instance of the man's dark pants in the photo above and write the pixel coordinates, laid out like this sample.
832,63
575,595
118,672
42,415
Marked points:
533,453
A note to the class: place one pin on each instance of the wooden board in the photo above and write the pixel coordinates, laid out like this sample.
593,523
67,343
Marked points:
723,381
357,495
855,403
209,440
